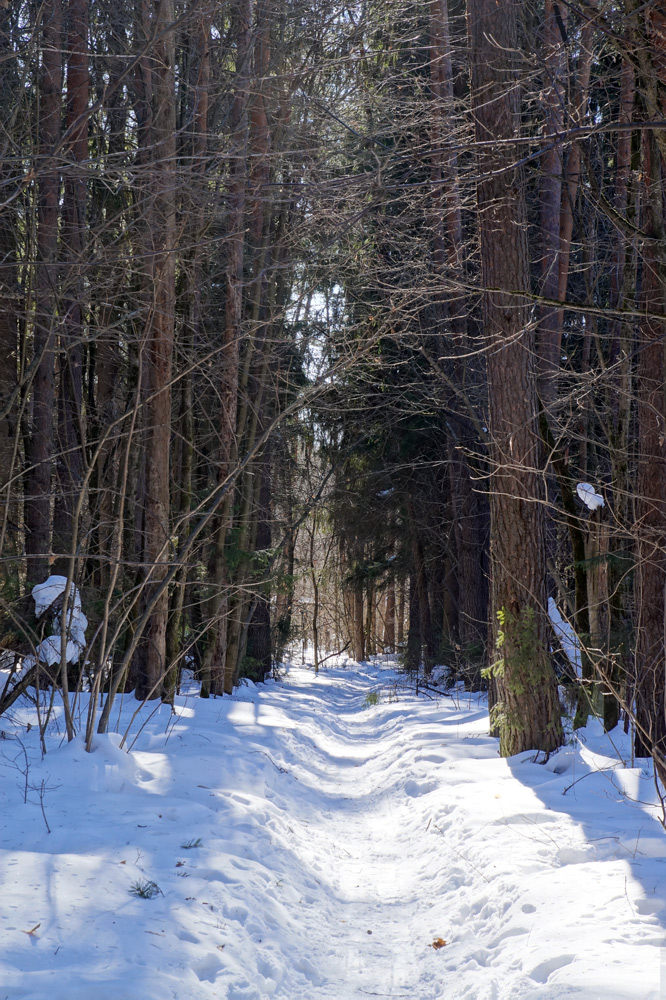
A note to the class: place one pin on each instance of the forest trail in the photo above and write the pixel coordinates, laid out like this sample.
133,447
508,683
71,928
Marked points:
415,831
312,840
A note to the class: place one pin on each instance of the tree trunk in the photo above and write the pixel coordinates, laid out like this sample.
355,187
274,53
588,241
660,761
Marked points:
40,445
400,612
70,458
651,475
414,643
108,366
389,618
527,711
370,632
315,595
151,665
425,616
572,168
606,674
619,405
10,306
215,666
184,495
470,518
258,642
192,336
550,201
359,625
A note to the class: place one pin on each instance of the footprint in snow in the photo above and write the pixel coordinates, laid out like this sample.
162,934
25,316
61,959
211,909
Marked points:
207,968
242,990
213,875
544,970
414,788
186,936
646,907
236,911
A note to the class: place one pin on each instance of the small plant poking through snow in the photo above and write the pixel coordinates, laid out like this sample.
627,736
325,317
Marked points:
145,889
372,698
189,845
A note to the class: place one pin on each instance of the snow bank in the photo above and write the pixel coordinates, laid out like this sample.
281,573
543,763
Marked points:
307,846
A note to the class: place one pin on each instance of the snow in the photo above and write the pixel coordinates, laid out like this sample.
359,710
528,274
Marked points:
309,844
48,651
567,637
44,594
590,498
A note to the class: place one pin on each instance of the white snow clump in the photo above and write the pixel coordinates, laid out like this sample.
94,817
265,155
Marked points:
565,633
587,494
48,651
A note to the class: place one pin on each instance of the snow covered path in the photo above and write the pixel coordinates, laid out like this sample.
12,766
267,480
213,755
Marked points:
311,845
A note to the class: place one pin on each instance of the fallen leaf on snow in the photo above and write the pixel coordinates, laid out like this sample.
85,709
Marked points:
438,943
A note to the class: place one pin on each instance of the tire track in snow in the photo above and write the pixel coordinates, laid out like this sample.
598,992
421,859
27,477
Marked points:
377,909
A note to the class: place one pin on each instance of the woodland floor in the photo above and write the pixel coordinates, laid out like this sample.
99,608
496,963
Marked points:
311,844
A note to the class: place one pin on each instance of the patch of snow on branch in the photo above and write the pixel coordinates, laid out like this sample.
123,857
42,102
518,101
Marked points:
48,651
566,635
590,498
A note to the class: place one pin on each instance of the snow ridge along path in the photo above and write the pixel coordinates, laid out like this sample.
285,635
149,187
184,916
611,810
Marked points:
312,840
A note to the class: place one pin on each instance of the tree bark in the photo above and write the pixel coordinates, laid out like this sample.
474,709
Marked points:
10,306
157,349
258,631
215,667
414,642
550,201
389,618
527,711
40,445
470,518
70,458
370,644
651,474
359,624
400,613
192,335
425,616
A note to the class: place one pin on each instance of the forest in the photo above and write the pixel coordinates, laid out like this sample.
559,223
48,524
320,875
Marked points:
338,324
